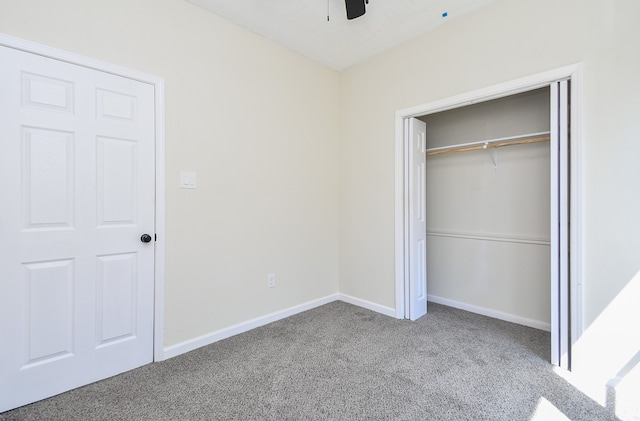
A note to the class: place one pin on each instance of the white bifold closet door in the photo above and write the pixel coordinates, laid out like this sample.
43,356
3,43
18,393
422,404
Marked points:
416,147
560,303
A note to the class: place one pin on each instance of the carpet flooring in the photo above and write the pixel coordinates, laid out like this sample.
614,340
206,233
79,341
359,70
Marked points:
341,362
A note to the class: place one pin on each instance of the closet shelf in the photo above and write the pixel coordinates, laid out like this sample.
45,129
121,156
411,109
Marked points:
493,143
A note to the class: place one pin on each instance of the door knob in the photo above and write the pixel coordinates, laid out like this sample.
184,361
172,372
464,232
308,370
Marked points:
145,238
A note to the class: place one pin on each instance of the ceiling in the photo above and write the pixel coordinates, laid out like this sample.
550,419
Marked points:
302,25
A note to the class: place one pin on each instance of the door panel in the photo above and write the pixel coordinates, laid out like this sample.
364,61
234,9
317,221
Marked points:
48,178
48,298
117,179
116,298
47,93
560,138
77,185
417,138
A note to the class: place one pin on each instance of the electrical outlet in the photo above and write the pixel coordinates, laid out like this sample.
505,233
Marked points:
271,280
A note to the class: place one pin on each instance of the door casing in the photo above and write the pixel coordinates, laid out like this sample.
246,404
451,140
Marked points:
572,73
158,84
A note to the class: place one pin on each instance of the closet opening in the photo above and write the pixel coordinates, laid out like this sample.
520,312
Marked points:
484,184
488,229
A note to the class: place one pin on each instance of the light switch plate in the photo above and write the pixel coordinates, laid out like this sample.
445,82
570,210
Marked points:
188,180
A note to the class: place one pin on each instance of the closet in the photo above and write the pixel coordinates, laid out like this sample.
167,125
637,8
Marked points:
488,207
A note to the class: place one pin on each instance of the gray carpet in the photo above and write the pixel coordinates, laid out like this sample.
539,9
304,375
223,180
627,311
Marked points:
340,362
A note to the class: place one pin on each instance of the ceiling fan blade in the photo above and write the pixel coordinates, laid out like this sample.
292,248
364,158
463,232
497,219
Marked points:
355,8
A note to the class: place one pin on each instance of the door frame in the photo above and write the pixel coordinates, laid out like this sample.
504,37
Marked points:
572,73
158,85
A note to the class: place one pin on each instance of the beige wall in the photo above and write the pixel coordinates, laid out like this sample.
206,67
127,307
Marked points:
507,40
257,122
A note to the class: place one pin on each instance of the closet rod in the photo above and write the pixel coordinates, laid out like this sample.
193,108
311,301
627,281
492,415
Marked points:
494,143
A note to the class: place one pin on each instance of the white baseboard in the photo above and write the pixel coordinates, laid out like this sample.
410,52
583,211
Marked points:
490,313
209,338
387,311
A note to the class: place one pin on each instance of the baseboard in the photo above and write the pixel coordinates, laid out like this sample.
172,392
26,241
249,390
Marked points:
200,341
387,311
209,338
490,313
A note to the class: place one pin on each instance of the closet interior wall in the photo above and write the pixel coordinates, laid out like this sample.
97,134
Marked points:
488,232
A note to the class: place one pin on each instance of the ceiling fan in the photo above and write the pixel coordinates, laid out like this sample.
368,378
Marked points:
355,8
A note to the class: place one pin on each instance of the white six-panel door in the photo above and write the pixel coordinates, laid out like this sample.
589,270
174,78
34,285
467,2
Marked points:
76,192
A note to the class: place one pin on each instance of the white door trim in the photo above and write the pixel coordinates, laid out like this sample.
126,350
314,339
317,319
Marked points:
572,72
158,84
